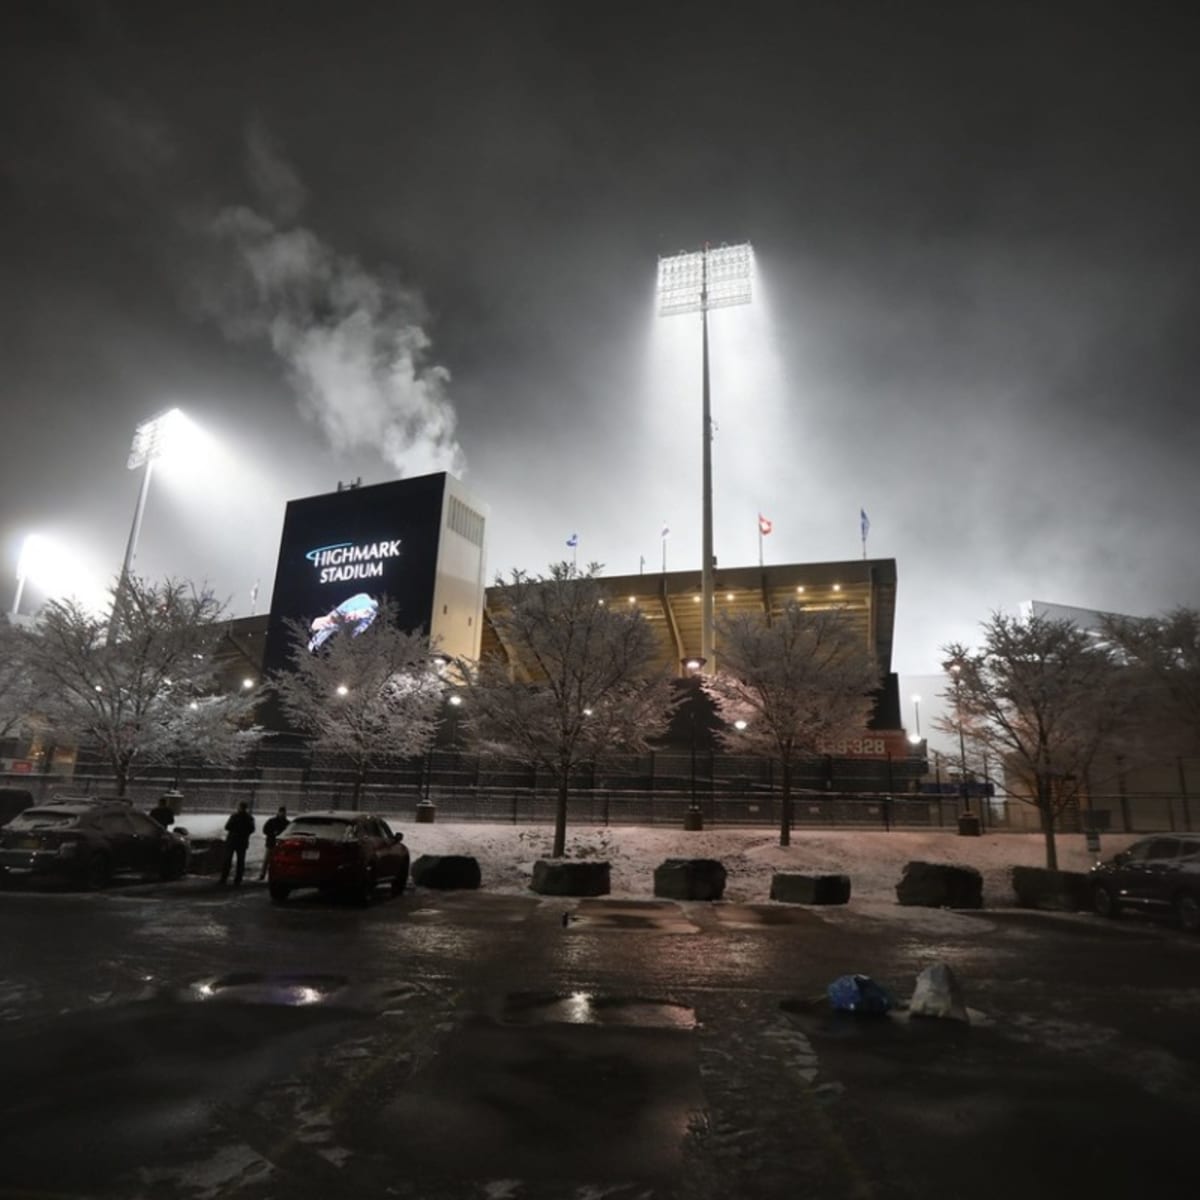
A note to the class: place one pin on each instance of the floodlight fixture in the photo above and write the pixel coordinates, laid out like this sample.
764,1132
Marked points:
696,281
155,437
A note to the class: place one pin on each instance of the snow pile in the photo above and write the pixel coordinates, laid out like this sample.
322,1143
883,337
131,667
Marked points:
873,860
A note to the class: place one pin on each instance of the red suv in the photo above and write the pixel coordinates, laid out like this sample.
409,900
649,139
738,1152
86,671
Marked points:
349,852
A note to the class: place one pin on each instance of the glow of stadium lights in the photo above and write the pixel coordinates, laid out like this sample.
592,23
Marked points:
342,690
728,595
837,587
739,724
193,706
247,683
800,590
455,700
696,281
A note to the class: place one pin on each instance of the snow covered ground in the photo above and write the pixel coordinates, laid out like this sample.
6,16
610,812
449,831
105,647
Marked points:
873,860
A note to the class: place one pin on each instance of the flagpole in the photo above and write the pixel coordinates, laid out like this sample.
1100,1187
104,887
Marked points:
760,545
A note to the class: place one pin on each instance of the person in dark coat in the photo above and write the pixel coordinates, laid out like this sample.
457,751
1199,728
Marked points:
238,829
163,813
271,830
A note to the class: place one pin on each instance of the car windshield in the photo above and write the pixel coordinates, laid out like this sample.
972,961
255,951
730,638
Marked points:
328,829
42,818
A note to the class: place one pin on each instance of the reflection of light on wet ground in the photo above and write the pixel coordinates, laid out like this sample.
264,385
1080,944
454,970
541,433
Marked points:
585,1008
247,987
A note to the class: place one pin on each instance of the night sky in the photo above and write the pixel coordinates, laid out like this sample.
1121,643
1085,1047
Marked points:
368,240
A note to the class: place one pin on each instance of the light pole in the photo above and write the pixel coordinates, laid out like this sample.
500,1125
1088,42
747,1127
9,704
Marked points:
695,282
33,550
693,819
917,713
150,441
955,669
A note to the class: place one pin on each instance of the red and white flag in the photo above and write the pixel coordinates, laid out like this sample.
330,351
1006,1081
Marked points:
764,526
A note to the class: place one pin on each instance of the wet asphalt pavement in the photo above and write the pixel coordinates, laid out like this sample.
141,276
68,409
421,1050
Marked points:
189,1041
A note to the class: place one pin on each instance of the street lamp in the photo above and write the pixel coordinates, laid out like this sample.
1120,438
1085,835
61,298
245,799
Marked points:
917,712
695,282
151,440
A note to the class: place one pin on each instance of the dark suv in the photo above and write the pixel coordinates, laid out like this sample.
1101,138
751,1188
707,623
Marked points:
1157,874
88,842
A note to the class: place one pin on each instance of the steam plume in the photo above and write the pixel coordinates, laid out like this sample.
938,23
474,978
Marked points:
351,340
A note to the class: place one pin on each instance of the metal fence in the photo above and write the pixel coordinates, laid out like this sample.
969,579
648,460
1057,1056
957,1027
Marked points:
653,789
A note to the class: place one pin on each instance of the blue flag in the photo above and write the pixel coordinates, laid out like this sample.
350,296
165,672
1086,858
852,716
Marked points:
573,540
866,522
666,531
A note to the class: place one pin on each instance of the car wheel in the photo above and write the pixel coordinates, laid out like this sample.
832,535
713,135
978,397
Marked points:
279,892
173,865
1105,902
97,873
1187,909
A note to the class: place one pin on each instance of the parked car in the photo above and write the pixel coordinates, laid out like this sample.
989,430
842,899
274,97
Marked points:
88,842
350,852
13,801
1157,874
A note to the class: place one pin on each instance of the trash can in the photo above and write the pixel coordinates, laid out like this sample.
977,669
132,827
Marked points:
968,825
426,812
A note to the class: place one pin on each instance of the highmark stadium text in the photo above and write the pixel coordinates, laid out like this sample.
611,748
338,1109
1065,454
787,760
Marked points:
344,560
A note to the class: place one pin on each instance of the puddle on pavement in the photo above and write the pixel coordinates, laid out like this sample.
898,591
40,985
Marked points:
646,916
252,987
756,916
478,908
585,1008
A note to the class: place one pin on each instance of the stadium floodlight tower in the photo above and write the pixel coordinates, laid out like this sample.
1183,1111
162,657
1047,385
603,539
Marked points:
715,277
151,440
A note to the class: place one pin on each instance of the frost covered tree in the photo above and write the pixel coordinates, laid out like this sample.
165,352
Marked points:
800,680
1042,696
365,694
17,696
595,684
1161,660
129,690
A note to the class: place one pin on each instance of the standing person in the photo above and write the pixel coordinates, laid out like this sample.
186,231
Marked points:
238,829
163,813
272,829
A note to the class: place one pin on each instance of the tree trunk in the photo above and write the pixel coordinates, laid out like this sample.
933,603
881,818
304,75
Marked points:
121,777
1046,808
560,816
785,816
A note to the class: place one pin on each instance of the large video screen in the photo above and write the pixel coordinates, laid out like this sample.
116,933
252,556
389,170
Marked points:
343,552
